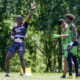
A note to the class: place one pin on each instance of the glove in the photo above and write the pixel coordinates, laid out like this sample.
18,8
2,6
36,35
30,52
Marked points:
56,36
69,46
32,6
12,37
18,40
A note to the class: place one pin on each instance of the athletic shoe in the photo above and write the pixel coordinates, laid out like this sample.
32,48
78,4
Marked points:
7,75
24,75
63,76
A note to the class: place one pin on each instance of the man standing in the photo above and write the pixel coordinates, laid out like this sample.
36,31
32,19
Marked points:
18,35
70,42
68,19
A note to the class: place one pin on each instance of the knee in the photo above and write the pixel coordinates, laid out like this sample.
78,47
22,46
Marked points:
75,62
65,61
21,59
7,58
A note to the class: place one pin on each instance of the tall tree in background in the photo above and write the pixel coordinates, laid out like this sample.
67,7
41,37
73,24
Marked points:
4,34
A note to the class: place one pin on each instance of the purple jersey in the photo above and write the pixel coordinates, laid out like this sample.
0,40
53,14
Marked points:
20,31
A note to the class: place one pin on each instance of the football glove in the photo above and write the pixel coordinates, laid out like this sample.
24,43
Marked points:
56,36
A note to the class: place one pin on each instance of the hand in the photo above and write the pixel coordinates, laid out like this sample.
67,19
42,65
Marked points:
69,47
18,40
12,37
56,36
32,6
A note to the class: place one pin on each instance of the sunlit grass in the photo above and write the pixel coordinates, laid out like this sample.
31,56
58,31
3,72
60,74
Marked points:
35,76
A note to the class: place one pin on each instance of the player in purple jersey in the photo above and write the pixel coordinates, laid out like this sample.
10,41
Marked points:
18,35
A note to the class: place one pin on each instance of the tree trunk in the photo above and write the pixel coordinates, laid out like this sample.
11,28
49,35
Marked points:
60,53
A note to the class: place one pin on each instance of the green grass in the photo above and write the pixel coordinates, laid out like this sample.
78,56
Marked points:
35,76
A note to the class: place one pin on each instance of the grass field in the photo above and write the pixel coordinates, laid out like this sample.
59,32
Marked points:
35,76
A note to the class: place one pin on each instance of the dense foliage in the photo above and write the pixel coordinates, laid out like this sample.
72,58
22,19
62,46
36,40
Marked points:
43,53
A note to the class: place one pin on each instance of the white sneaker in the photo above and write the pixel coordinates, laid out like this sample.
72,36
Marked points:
7,75
24,75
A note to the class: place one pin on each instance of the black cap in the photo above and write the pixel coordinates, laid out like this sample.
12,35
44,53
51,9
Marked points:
60,21
70,16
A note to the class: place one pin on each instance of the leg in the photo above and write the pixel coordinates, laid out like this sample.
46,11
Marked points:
70,63
21,51
21,56
65,66
22,61
8,57
73,65
10,54
76,64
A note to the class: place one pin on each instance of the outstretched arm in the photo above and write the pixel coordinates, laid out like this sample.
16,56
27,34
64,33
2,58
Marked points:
65,35
62,36
31,12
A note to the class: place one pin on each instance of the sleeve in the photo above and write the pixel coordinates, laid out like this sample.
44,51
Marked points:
25,24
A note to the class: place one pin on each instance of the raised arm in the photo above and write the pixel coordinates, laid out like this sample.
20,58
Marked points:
31,12
29,17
